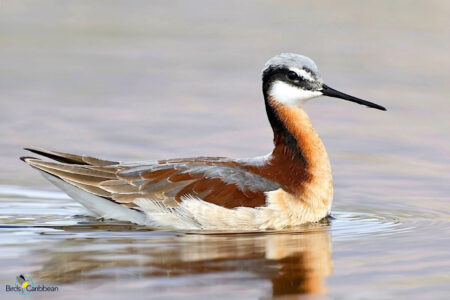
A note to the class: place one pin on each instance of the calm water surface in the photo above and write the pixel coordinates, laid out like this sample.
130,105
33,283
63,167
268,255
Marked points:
152,80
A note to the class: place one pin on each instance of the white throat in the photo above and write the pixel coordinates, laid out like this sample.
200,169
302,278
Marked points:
290,95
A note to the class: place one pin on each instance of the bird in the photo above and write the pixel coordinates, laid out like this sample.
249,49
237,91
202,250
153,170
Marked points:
22,281
289,187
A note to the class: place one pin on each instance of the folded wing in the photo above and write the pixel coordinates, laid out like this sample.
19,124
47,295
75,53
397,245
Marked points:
220,181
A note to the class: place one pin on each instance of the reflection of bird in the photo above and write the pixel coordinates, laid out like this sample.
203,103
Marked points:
293,263
290,186
22,281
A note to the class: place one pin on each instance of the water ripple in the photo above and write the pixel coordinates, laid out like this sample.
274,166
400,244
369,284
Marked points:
27,207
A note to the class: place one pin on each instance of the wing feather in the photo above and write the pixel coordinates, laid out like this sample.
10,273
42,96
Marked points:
91,189
70,158
74,169
118,186
220,181
74,177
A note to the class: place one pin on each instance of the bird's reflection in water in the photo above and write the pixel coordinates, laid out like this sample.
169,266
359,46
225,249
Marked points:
294,263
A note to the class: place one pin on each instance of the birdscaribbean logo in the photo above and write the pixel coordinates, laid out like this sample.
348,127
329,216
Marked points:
24,285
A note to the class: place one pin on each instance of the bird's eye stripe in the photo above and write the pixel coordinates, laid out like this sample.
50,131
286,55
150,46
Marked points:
303,74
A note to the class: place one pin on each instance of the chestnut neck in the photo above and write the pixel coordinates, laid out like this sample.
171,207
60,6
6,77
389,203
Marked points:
299,153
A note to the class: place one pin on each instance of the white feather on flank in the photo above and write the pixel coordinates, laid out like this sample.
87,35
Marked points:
282,211
288,94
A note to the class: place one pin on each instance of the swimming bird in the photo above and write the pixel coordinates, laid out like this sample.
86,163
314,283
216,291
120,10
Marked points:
290,186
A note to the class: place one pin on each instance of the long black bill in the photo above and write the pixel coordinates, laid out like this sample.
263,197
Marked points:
327,91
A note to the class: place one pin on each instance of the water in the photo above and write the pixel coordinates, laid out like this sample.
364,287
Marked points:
154,81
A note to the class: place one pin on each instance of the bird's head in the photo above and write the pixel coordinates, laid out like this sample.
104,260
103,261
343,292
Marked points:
293,79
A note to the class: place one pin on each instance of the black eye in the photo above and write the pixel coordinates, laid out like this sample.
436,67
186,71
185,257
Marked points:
292,76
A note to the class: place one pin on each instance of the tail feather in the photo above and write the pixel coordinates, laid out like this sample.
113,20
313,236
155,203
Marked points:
58,156
72,176
69,168
81,177
71,158
100,206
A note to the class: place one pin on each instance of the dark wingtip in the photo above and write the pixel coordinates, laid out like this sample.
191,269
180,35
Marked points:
58,156
24,158
34,150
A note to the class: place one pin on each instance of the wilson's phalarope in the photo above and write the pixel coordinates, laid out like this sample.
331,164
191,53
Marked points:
290,186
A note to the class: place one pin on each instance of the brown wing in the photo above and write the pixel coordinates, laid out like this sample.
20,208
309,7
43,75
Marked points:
216,180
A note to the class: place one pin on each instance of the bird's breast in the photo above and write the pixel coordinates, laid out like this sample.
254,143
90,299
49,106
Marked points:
303,170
